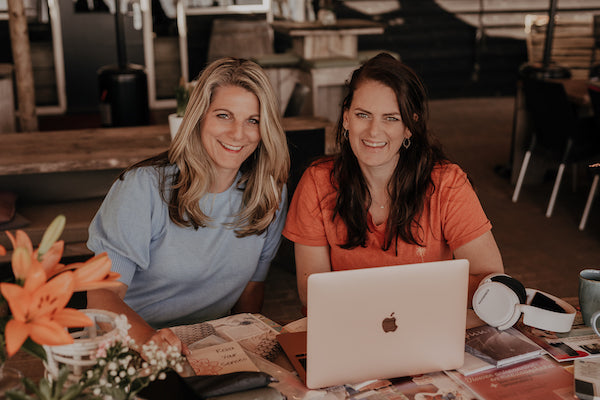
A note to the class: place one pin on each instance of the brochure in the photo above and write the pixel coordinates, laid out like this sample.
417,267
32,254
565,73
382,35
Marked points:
498,347
436,385
220,359
580,342
587,378
536,379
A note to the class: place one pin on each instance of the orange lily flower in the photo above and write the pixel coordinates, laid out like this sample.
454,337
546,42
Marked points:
95,273
38,310
24,257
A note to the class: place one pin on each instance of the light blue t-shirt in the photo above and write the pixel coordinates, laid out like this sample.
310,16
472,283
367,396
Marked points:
177,275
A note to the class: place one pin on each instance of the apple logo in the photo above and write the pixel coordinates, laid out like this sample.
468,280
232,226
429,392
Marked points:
389,324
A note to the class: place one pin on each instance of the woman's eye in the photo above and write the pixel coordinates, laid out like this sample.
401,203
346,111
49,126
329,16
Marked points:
223,116
392,119
254,121
362,115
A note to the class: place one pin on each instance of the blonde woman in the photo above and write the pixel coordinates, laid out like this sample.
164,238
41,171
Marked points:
192,231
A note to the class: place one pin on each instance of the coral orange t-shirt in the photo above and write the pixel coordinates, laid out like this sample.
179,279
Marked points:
452,217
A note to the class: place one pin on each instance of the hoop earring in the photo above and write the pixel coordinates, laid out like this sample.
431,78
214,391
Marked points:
406,143
345,134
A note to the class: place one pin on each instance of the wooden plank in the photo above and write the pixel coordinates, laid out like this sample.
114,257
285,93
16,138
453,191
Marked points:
96,149
80,150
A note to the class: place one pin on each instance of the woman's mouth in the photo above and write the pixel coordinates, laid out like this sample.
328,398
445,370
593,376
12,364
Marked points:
230,147
369,143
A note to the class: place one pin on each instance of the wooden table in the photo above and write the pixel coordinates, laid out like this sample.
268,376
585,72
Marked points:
313,40
98,148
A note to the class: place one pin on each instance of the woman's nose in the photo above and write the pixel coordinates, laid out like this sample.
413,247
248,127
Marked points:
237,130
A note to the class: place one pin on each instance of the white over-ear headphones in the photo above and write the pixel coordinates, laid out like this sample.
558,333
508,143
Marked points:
500,299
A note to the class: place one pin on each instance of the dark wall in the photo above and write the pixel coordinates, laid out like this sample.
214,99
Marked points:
445,51
89,42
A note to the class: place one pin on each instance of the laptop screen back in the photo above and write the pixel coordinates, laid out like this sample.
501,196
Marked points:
385,322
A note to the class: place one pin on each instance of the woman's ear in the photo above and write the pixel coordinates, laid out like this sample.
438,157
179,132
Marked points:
345,119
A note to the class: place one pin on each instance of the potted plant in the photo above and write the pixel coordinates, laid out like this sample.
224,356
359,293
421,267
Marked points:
182,95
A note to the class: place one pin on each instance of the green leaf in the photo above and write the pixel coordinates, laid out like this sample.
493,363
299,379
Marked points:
63,375
34,349
32,387
72,392
45,389
52,234
17,395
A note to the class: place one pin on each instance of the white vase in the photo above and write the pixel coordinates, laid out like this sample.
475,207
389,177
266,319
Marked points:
81,355
174,123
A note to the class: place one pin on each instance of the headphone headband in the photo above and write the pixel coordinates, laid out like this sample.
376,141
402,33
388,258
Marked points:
499,301
547,312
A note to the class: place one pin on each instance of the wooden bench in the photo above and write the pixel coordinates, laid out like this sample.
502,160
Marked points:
39,157
573,43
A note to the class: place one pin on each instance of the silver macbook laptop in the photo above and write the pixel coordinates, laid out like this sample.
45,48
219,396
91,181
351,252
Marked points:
385,322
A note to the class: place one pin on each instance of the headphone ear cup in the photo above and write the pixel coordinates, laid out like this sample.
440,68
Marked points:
496,303
514,284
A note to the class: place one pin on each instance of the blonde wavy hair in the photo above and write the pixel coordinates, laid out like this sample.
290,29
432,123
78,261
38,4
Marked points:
264,172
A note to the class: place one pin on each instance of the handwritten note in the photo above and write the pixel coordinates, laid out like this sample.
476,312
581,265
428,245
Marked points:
221,359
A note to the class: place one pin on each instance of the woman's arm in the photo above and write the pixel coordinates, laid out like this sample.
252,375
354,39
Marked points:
484,258
309,260
140,331
251,299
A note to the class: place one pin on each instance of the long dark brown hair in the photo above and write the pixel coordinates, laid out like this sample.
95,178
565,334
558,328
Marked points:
410,183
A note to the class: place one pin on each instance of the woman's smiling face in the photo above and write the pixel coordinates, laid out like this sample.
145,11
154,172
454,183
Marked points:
230,130
375,127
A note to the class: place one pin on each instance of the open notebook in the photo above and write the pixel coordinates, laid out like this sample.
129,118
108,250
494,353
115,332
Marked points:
383,322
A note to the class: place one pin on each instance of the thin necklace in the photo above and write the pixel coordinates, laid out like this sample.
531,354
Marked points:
375,204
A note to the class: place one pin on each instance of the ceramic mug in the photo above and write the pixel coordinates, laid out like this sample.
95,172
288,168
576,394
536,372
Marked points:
589,296
594,322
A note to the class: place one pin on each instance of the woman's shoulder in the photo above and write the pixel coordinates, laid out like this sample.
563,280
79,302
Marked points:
321,166
149,172
448,172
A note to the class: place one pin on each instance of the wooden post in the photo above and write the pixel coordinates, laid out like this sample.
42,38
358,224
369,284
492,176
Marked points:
19,38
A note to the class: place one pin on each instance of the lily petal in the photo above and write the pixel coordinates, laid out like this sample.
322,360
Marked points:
48,332
2,250
18,300
95,273
16,332
52,296
35,279
110,281
72,318
21,262
50,260
21,240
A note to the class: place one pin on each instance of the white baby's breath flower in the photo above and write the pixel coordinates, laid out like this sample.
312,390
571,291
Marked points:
162,376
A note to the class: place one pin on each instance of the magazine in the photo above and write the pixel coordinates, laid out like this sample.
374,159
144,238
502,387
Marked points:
580,342
540,378
498,347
